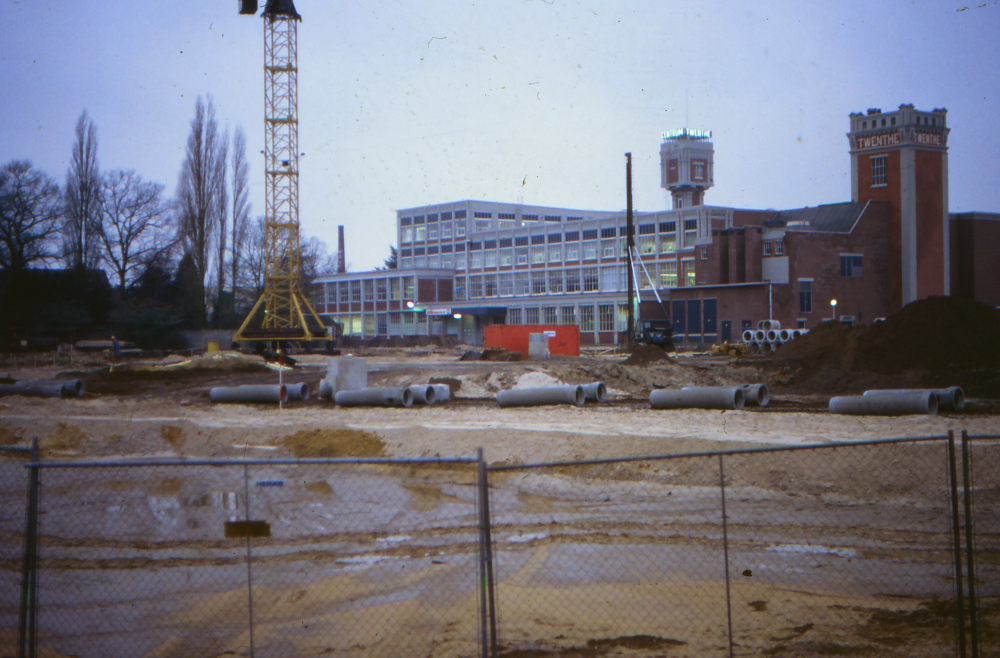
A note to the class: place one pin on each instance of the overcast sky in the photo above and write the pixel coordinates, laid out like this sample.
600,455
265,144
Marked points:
409,102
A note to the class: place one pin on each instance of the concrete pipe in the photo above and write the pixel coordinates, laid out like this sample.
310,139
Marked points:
765,347
375,397
903,404
784,335
423,394
748,335
543,395
442,392
596,392
760,335
775,344
74,387
754,348
756,395
772,335
249,393
760,325
703,397
325,389
298,392
36,390
952,398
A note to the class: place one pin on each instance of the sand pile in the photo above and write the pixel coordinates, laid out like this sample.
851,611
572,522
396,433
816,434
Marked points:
644,354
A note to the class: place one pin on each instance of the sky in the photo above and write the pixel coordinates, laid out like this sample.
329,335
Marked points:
410,102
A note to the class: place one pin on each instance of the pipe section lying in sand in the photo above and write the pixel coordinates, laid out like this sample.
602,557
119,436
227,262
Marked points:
543,395
756,395
298,392
325,389
948,398
424,394
695,397
442,392
596,392
375,397
36,390
249,393
903,404
74,387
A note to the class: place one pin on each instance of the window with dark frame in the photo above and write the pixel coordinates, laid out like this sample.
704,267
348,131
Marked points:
879,170
805,296
850,266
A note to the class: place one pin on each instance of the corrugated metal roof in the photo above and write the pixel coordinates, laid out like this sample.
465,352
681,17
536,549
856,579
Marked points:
833,217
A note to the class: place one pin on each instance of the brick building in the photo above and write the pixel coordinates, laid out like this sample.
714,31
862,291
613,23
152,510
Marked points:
711,270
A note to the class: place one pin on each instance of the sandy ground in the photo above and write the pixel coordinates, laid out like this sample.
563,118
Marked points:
847,553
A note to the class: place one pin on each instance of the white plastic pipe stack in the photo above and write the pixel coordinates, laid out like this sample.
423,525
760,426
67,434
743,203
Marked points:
596,392
541,396
249,393
298,392
424,394
903,404
375,397
952,398
704,397
756,395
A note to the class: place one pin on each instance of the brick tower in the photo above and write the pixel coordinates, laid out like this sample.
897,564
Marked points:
687,167
902,157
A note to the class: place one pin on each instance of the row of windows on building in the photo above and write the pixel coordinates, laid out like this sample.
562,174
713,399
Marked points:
589,317
612,278
369,290
892,122
646,234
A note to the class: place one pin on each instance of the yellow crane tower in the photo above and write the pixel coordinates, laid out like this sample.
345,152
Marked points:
287,314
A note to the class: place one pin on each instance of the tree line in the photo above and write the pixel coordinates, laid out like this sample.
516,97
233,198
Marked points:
194,260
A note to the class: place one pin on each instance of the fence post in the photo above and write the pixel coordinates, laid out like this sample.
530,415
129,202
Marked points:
487,603
246,507
725,552
957,538
970,564
28,609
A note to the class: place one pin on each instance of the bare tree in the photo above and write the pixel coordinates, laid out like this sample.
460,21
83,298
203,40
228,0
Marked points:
134,224
241,208
30,212
254,267
197,196
220,167
80,244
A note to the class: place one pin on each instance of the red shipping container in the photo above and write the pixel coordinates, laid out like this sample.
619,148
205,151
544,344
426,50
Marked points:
514,337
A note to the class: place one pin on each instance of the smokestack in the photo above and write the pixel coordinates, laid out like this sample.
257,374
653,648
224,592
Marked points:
341,262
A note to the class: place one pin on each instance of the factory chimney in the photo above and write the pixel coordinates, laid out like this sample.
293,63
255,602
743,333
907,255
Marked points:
341,262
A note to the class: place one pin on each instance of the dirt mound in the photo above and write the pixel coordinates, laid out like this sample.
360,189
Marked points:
935,334
645,354
334,443
950,340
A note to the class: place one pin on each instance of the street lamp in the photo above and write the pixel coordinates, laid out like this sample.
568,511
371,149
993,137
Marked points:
457,316
409,304
833,308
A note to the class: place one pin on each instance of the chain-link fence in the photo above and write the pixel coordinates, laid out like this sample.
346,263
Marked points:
830,550
13,494
259,558
837,549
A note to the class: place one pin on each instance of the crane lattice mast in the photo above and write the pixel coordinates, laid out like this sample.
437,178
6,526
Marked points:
286,310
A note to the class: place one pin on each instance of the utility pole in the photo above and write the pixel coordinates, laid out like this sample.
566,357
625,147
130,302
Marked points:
630,244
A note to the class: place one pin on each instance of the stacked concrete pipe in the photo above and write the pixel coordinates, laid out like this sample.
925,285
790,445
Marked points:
902,404
596,392
64,388
249,393
298,392
541,396
375,397
325,389
698,397
952,398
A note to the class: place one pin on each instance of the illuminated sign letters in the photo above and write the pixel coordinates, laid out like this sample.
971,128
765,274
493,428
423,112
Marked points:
879,141
927,139
684,132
